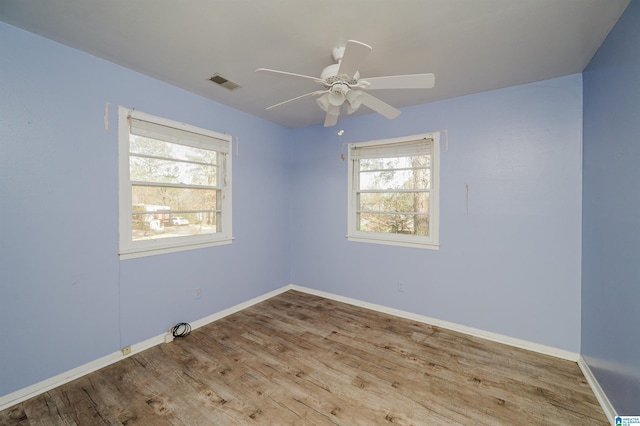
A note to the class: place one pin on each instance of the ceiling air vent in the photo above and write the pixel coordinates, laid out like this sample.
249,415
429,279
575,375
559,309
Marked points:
224,82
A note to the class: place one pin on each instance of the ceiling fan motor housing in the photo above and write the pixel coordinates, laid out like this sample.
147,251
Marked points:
330,76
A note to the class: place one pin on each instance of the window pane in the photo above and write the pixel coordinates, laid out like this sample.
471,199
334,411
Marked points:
177,199
396,173
394,223
395,163
155,225
396,179
160,212
143,169
407,202
389,211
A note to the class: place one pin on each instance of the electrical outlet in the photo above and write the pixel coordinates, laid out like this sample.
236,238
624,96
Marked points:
126,350
400,288
197,292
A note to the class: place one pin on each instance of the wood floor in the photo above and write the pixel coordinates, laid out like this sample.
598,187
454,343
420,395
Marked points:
299,359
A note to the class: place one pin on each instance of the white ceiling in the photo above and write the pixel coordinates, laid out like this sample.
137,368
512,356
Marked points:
470,45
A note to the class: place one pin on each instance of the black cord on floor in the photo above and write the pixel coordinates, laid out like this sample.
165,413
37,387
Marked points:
181,330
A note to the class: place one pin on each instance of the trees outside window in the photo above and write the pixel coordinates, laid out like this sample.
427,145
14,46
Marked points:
393,191
175,185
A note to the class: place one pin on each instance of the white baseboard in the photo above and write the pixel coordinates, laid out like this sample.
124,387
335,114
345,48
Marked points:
20,395
36,389
494,337
237,308
602,398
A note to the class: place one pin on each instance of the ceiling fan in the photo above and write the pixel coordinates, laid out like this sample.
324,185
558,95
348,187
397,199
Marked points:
343,86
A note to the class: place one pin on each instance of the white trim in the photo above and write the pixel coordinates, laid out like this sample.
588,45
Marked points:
36,389
602,398
425,242
392,242
129,249
494,337
136,253
237,308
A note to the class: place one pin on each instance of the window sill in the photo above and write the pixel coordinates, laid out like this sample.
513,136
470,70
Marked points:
143,252
393,242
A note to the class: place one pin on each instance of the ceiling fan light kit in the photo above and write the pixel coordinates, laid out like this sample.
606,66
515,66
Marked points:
323,102
343,85
354,100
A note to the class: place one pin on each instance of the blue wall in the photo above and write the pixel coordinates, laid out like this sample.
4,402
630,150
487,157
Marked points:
65,297
611,208
512,265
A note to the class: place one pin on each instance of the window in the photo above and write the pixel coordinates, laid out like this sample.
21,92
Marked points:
393,191
175,186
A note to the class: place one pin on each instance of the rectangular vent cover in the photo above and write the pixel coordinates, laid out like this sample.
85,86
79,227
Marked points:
224,82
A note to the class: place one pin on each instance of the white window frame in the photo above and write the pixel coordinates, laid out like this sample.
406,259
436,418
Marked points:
427,242
130,249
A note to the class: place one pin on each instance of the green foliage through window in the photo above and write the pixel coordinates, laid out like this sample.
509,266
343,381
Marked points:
392,190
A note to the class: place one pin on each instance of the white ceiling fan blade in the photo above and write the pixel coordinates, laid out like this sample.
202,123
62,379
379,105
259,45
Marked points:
354,55
331,119
289,74
317,92
411,81
378,106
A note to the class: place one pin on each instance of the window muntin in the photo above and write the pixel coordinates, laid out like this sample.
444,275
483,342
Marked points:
175,186
393,191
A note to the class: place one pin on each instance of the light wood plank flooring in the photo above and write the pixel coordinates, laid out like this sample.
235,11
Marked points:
298,359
